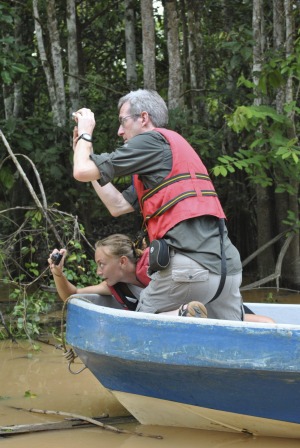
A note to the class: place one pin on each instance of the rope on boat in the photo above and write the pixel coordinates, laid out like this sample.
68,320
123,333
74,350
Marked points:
69,354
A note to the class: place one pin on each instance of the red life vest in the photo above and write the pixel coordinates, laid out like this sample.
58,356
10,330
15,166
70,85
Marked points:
186,192
142,266
121,291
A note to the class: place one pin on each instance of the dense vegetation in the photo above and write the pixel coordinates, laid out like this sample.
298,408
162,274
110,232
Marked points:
229,72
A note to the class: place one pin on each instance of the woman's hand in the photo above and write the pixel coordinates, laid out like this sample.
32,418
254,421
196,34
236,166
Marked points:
56,262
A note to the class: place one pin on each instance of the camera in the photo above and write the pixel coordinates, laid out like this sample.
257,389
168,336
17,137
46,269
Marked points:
56,257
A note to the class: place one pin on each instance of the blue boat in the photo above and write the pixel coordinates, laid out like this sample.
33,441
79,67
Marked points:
196,373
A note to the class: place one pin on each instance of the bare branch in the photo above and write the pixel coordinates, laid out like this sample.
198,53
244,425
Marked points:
30,188
277,273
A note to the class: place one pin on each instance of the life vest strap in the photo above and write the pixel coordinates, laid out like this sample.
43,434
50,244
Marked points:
166,182
177,199
121,292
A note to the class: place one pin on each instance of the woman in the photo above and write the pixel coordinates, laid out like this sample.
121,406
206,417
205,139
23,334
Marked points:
123,269
121,266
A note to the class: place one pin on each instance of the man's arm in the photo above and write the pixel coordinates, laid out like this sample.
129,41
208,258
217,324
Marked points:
84,169
112,199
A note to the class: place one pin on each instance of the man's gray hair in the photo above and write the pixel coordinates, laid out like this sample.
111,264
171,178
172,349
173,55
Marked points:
144,100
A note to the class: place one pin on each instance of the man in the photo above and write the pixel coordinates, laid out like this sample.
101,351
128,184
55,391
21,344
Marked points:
178,201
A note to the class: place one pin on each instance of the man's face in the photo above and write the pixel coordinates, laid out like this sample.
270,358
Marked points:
130,125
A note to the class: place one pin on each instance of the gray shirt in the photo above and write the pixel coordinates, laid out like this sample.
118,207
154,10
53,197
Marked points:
149,156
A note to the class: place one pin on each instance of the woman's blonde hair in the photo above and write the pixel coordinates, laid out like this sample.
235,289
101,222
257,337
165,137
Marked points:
120,245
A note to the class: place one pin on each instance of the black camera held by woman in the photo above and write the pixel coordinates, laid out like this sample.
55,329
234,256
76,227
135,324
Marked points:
56,257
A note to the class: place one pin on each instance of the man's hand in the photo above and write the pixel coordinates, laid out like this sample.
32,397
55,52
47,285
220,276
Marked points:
85,121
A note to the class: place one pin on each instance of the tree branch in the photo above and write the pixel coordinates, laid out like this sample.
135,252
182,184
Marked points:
30,188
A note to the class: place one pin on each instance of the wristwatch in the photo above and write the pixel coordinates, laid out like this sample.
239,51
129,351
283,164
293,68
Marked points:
86,137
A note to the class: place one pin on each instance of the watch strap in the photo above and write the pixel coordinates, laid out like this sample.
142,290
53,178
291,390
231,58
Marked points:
86,137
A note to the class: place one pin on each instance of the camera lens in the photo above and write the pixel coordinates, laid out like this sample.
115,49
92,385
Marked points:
56,258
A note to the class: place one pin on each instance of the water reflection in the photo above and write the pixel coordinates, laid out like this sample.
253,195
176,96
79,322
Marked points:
271,295
49,385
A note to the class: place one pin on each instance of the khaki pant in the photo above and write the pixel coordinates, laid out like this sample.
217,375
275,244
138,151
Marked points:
185,280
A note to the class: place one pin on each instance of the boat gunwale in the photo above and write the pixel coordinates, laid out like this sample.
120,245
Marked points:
85,303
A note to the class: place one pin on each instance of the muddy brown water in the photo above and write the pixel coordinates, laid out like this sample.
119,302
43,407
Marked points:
40,379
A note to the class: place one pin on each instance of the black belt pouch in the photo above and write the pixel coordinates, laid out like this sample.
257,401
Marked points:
159,255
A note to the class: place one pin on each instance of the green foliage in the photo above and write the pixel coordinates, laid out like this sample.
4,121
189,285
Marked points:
270,298
29,394
289,150
268,153
7,179
248,144
26,314
238,45
250,117
23,267
79,269
292,221
203,140
269,156
13,58
256,166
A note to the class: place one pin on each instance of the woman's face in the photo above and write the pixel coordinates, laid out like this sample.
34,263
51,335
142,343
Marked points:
109,267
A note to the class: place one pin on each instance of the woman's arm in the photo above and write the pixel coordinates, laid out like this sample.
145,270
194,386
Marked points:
65,288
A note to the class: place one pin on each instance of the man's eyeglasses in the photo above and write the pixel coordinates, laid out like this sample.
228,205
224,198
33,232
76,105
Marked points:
122,120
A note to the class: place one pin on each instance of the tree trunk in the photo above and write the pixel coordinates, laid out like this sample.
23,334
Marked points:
266,260
45,63
291,271
175,80
131,74
7,100
72,56
185,51
57,63
148,44
200,82
192,58
12,93
265,215
18,96
195,59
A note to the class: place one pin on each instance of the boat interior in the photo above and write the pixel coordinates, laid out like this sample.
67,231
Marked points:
280,313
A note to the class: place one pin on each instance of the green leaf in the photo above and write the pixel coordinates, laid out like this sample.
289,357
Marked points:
6,77
216,170
230,169
29,394
18,68
6,178
223,171
26,144
224,159
239,165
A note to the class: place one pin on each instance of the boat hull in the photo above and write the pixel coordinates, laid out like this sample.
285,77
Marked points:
197,373
149,411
